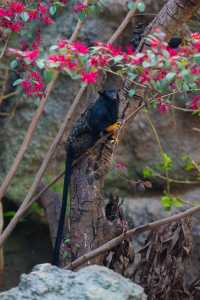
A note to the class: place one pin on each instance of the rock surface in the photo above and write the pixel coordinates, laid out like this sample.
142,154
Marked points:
47,282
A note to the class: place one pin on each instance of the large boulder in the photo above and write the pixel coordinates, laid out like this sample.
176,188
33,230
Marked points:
47,282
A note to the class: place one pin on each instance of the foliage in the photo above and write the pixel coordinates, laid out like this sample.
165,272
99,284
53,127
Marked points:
158,69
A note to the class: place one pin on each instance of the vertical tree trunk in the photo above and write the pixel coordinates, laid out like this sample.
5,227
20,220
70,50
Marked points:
173,15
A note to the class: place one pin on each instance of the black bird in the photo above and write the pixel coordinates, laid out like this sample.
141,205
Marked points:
99,118
175,42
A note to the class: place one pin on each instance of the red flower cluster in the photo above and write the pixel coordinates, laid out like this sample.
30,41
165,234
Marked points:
80,48
12,17
89,77
195,103
195,35
33,84
163,107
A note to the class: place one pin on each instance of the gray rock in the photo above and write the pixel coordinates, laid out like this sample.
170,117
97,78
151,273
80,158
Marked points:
47,282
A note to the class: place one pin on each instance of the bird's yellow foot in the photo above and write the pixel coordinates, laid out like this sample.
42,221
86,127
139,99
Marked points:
113,127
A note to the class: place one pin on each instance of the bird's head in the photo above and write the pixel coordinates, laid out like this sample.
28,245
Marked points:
110,94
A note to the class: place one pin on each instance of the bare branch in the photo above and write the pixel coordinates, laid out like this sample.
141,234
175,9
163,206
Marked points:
130,233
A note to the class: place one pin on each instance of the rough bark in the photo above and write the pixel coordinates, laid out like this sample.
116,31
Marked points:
87,226
173,15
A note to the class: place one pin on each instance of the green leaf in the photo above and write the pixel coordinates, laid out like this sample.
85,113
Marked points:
141,7
48,75
52,10
9,214
131,93
82,15
147,172
132,76
40,63
59,3
117,58
170,76
177,202
131,6
186,74
13,64
24,16
53,47
185,87
166,162
146,64
189,166
17,82
67,241
166,202
196,58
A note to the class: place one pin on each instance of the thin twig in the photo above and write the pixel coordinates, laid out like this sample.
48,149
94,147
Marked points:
4,48
123,25
4,97
130,233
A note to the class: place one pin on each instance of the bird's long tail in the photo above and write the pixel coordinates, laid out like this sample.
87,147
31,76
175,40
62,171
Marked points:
61,223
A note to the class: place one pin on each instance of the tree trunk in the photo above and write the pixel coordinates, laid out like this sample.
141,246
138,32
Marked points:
173,15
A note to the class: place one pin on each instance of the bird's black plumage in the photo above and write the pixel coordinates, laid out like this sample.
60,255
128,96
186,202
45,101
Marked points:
85,133
175,42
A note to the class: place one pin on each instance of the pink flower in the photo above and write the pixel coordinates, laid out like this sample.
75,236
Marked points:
42,9
98,61
89,77
31,55
195,35
115,51
154,42
163,107
57,58
47,20
80,47
195,71
130,50
197,45
17,7
15,27
144,78
62,44
121,165
79,7
2,12
33,84
32,14
172,51
195,102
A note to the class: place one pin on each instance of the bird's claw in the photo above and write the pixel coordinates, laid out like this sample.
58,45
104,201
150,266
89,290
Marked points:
113,127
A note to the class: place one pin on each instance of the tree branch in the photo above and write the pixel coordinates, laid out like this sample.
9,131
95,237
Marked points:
130,233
